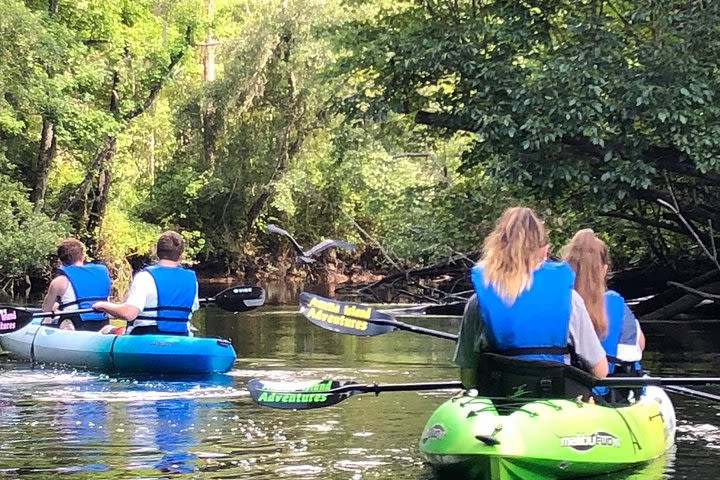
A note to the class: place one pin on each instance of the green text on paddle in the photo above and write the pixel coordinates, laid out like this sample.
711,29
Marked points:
278,397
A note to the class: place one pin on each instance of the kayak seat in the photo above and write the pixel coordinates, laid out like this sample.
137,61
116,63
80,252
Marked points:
622,396
514,379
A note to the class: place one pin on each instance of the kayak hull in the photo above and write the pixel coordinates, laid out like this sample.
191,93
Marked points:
155,354
473,438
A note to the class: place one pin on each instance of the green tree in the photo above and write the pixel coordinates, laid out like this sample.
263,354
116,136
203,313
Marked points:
597,107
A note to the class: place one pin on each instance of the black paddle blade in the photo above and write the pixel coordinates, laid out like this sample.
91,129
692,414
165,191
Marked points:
14,318
344,317
297,396
240,298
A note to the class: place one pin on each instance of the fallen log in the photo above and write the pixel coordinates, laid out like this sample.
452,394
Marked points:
683,304
670,295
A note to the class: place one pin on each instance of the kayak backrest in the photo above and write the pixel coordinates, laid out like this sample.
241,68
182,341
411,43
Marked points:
513,378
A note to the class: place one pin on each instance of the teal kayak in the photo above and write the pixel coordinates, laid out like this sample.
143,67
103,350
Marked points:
474,437
155,354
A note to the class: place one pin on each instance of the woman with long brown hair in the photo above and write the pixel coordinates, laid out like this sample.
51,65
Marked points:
616,326
524,305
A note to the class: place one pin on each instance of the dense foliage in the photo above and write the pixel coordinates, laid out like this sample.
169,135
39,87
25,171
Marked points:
403,124
600,108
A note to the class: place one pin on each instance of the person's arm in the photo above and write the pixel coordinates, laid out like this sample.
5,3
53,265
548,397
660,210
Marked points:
56,289
196,302
121,311
641,337
584,339
135,303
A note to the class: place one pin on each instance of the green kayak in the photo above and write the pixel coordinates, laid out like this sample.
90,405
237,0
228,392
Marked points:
473,437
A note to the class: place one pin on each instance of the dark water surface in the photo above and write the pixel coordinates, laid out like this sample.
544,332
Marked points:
84,425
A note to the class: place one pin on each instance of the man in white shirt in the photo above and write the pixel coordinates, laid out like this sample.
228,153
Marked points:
162,296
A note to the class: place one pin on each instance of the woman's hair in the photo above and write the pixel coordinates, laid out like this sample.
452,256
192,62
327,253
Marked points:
587,255
512,252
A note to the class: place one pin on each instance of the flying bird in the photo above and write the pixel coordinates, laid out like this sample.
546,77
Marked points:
305,256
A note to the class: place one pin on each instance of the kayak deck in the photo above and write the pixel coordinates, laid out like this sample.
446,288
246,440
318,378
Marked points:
473,437
157,354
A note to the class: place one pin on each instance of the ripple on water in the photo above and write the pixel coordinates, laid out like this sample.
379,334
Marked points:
706,433
141,396
44,377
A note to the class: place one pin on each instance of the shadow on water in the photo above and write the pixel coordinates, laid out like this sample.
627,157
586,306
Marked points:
85,425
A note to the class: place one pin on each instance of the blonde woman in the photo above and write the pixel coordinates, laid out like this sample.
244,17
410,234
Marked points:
524,305
616,326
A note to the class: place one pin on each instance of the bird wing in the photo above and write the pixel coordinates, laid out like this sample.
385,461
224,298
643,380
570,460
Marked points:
275,229
329,243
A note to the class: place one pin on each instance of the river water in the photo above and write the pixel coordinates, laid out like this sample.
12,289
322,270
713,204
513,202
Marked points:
84,425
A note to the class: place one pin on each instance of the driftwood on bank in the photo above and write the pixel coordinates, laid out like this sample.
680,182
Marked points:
666,297
697,290
684,304
442,282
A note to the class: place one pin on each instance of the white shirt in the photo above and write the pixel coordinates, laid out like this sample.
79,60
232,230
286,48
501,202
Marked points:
69,296
143,294
581,333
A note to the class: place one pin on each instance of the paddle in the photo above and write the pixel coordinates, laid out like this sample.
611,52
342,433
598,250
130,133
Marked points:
240,298
325,393
693,393
308,395
354,319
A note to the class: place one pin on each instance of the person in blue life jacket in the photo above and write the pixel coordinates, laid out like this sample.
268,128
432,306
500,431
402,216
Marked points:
77,285
615,324
524,306
162,296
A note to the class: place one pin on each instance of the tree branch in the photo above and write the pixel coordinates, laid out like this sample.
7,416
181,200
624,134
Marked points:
694,291
444,120
646,221
155,89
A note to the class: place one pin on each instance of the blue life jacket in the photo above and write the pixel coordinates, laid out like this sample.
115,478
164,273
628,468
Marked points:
535,326
91,283
176,291
614,309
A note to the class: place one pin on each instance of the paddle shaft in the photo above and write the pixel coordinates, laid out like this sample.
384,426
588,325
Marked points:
394,387
619,382
415,329
693,393
58,313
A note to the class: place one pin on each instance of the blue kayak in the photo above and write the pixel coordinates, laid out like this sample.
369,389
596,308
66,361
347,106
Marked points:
157,354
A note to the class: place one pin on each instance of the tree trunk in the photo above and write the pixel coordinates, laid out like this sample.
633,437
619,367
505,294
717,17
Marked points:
98,205
48,148
48,145
106,152
209,121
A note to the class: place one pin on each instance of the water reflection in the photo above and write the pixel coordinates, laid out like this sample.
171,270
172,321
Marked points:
85,424
170,425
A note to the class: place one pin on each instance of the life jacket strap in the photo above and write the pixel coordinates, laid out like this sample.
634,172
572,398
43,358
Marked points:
162,319
518,351
613,359
177,309
78,301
